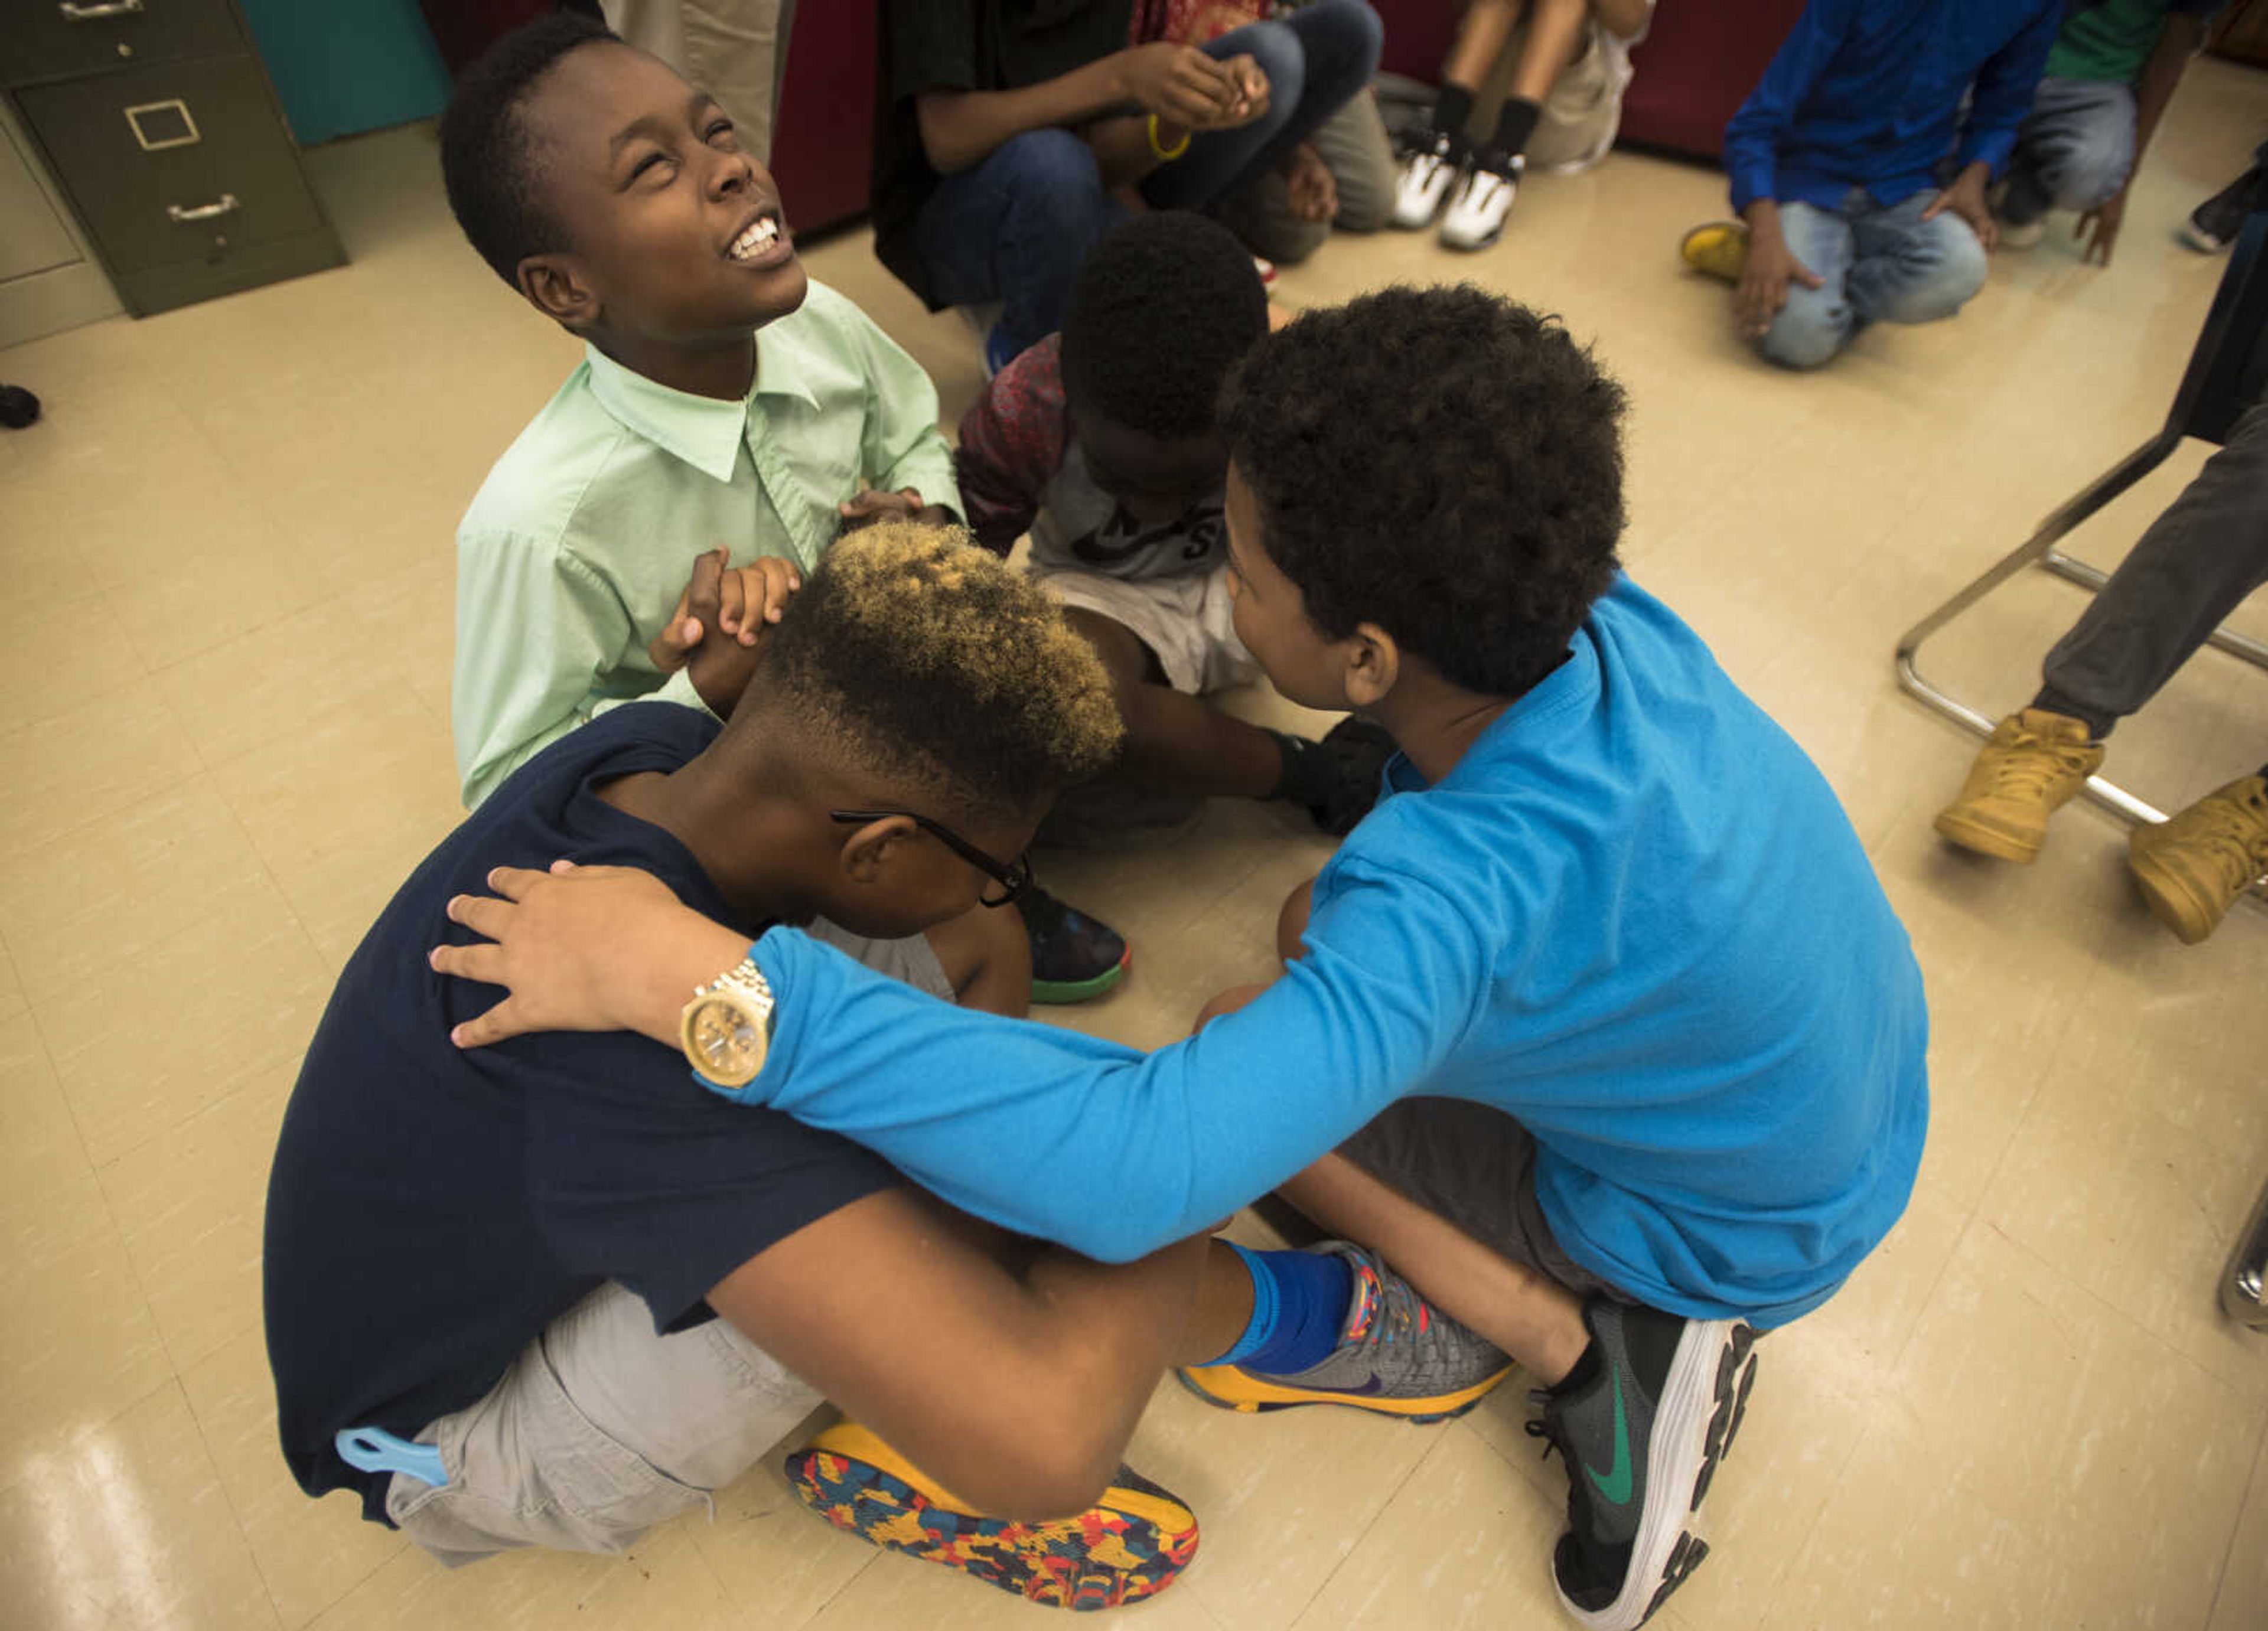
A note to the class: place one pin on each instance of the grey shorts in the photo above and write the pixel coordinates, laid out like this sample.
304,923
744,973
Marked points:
1475,1167
602,1428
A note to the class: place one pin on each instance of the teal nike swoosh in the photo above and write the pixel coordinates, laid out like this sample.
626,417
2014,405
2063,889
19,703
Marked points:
1614,1486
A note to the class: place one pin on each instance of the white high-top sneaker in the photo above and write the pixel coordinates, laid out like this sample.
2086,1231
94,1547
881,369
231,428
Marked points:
1478,209
1427,173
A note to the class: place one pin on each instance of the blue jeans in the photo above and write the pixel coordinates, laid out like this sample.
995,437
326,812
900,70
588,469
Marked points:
2073,150
1016,227
1876,264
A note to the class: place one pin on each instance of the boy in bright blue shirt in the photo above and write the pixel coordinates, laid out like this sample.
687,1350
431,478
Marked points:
1859,165
1598,1029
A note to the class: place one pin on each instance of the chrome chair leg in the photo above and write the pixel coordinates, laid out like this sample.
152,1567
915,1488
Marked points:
2040,550
2244,1283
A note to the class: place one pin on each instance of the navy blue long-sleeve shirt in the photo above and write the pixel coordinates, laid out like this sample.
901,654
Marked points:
1868,93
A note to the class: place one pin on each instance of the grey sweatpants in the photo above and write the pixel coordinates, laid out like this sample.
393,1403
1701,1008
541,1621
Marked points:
2186,575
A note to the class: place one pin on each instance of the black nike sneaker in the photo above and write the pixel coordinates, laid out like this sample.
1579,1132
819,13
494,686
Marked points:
1641,1430
1074,957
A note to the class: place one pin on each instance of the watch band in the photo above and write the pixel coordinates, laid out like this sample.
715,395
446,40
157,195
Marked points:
747,975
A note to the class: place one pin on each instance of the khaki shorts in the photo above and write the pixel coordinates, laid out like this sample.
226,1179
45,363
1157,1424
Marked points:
602,1428
1185,621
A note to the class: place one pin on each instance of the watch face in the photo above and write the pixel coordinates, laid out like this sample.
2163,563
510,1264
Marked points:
726,1042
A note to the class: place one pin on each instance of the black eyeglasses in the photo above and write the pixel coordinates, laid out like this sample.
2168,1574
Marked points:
1014,878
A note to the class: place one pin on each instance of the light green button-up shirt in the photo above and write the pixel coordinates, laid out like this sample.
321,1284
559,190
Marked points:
577,545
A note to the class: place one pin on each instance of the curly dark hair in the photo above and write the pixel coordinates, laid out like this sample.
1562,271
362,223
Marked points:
928,660
487,164
1441,462
1161,311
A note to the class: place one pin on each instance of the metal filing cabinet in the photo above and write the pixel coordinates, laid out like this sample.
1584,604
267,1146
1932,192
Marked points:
158,121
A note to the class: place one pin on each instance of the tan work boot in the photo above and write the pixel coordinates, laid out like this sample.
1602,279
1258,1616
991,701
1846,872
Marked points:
2029,768
1720,248
2191,867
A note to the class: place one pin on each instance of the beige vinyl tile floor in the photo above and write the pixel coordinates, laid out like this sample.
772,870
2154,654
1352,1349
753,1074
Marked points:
226,602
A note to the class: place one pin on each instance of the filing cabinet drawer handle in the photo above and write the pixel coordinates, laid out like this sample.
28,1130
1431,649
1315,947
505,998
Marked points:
74,12
220,206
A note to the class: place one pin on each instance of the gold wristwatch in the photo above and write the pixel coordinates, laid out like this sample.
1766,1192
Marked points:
727,1029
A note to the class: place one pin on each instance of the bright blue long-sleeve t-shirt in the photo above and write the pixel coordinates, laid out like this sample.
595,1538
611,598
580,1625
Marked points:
1633,917
1869,93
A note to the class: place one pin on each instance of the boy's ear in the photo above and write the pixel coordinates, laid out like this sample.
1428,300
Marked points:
556,287
864,853
1373,662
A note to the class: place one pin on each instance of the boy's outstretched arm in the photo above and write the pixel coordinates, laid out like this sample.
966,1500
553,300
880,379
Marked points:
1017,1391
1046,1132
900,445
1013,440
2003,92
1752,138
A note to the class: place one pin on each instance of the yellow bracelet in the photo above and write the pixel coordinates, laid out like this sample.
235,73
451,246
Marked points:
1165,154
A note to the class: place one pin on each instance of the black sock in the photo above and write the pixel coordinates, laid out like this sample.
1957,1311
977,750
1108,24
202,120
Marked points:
1515,124
1586,1372
1452,109
2055,702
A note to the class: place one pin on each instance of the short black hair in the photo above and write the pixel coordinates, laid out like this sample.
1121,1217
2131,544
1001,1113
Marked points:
487,163
1442,462
921,658
1162,309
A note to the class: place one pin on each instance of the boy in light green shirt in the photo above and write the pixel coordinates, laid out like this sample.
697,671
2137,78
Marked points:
724,401
581,539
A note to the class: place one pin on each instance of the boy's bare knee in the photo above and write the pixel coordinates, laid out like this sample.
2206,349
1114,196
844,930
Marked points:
1124,657
1292,921
987,959
1225,1003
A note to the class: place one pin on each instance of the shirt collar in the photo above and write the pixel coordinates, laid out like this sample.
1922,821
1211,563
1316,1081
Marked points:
702,431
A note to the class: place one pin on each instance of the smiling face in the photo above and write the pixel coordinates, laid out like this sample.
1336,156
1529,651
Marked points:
676,240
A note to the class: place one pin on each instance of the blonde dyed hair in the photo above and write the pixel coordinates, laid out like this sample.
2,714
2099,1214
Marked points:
930,660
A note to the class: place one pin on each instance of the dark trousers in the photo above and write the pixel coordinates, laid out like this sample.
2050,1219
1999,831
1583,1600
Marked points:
2185,575
1015,227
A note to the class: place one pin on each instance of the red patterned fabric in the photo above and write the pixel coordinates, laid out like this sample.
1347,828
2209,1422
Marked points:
1190,22
1012,445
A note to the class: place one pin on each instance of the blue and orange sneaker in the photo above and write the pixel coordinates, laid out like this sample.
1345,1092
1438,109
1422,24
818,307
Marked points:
1397,1355
1132,1544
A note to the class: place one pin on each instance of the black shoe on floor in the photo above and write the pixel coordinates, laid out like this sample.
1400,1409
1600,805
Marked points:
1641,1424
1334,780
2213,225
1074,957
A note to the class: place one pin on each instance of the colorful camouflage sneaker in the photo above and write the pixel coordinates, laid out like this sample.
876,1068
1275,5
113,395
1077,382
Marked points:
1074,957
1397,1355
1130,1544
1720,248
1641,1439
2032,765
2191,867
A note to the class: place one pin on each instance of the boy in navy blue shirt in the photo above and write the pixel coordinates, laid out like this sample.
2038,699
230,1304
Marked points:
1860,167
1596,1044
550,1294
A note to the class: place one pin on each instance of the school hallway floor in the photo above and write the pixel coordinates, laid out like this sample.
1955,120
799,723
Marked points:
225,604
